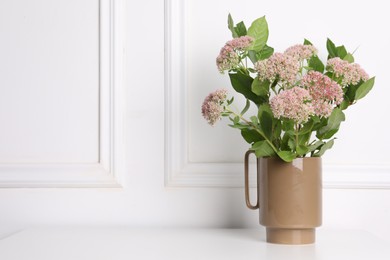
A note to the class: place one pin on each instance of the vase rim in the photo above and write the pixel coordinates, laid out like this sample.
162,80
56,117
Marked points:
298,158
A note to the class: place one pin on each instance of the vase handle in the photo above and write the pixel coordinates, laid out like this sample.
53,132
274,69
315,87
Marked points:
247,200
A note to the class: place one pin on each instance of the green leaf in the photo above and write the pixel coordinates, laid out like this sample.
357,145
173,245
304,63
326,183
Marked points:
302,150
333,124
284,142
262,149
266,124
335,118
316,119
229,102
341,51
331,48
331,133
316,64
349,58
264,108
256,86
265,53
259,31
260,88
291,144
324,147
231,26
364,88
304,139
307,42
252,56
306,128
287,156
236,119
247,105
240,29
351,92
251,135
288,125
239,126
254,120
345,104
277,130
242,84
329,74
315,146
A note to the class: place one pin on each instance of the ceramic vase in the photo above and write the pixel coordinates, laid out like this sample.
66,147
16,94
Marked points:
289,198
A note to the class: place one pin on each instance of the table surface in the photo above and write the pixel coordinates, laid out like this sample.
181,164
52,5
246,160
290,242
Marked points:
135,243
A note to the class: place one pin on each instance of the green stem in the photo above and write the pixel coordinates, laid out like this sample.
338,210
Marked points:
243,69
296,136
255,128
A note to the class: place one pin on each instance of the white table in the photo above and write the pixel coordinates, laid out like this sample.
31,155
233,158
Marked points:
184,244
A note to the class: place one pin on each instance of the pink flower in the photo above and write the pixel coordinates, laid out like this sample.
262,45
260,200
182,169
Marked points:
301,52
337,66
283,67
293,104
322,108
351,73
241,43
212,106
228,57
325,92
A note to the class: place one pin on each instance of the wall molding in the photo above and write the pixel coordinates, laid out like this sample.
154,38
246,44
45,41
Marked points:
179,172
107,173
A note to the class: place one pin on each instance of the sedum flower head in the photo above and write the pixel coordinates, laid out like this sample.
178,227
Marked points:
325,92
212,106
322,108
293,104
351,73
301,52
228,58
242,43
281,66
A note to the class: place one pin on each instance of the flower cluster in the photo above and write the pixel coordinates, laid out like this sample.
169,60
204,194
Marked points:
278,66
213,106
325,92
228,58
284,66
241,43
351,73
301,52
293,104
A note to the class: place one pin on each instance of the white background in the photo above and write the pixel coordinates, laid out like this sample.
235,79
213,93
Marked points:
144,201
49,81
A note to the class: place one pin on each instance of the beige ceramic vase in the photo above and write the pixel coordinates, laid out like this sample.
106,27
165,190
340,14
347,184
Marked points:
289,198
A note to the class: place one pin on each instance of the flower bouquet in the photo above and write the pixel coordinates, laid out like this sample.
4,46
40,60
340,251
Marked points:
299,99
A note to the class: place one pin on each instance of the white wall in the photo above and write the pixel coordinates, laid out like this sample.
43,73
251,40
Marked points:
144,201
42,56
